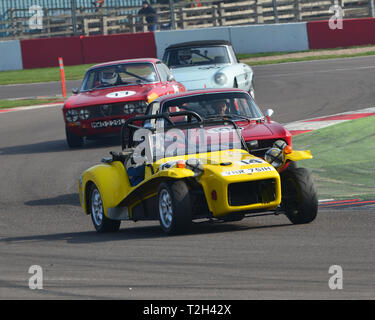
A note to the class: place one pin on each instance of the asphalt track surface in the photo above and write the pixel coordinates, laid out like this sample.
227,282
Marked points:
258,258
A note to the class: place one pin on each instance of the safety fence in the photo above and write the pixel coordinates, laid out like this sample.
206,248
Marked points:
47,22
287,37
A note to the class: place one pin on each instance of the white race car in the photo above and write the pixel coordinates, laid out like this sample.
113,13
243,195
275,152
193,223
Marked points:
208,64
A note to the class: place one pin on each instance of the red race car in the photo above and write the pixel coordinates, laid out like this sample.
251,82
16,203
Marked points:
259,132
113,92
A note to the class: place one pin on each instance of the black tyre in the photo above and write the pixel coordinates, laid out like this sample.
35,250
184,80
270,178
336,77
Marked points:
101,222
174,206
299,197
73,140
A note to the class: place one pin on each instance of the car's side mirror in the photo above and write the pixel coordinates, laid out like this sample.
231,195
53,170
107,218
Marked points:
170,78
268,114
75,90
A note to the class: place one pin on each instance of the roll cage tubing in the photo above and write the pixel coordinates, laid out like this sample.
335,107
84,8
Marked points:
128,125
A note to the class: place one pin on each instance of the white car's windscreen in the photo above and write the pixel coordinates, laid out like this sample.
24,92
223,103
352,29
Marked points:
183,57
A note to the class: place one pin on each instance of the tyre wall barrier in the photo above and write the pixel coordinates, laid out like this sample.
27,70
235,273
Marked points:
10,55
355,32
40,53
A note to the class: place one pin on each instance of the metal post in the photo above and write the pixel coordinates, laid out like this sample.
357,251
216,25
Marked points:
74,18
275,11
173,20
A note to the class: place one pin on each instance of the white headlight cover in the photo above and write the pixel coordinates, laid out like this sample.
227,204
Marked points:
280,144
275,157
129,108
71,115
220,78
142,107
84,114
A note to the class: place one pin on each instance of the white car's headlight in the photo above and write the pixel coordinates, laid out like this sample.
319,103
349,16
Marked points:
71,115
220,78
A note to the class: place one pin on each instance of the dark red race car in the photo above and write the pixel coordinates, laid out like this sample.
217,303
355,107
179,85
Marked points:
258,131
113,92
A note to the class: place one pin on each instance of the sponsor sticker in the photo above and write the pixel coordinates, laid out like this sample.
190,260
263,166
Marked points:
120,94
246,171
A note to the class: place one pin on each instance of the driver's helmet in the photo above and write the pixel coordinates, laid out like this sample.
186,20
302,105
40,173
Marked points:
220,107
109,76
184,56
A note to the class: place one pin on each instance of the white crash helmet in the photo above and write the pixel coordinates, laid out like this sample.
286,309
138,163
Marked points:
184,56
108,77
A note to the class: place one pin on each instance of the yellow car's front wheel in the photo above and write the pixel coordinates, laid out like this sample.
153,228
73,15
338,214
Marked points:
174,204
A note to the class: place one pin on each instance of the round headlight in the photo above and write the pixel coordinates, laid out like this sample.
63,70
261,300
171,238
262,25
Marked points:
84,114
142,107
280,144
71,115
220,78
274,156
129,108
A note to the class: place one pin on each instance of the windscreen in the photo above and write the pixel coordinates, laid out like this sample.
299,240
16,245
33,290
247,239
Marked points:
234,105
119,75
184,57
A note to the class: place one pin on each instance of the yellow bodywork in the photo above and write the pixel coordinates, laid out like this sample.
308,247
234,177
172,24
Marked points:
221,168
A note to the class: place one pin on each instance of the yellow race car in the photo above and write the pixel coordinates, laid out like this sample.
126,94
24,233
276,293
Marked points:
178,171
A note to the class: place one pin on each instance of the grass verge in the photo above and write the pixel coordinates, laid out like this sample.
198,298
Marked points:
42,74
343,164
7,104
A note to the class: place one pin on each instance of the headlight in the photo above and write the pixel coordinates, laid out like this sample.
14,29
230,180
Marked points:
142,107
280,144
84,114
275,157
196,165
220,78
129,108
71,115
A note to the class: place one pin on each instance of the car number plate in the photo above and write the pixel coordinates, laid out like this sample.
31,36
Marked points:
107,123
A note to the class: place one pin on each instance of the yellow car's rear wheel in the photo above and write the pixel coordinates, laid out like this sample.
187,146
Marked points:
100,221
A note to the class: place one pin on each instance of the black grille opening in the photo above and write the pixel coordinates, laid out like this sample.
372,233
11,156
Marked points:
251,192
263,146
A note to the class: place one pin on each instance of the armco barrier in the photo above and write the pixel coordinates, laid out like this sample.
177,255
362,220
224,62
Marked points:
269,38
355,32
40,53
10,55
119,46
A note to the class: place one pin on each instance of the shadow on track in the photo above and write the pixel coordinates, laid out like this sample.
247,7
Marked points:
136,233
71,199
59,146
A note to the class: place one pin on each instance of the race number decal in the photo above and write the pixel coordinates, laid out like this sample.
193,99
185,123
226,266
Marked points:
120,94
